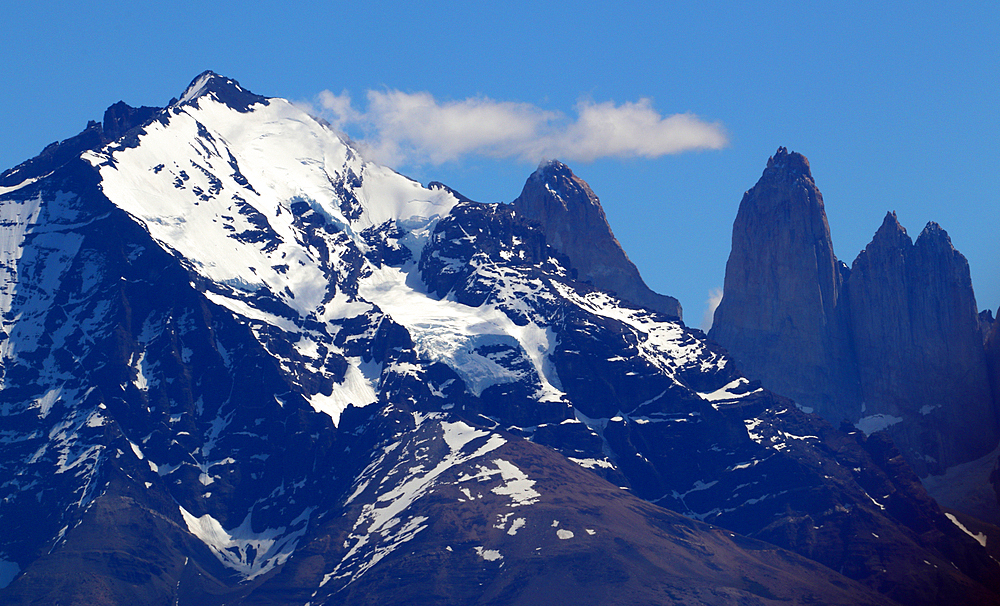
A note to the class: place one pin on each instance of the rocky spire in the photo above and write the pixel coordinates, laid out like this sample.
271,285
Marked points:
779,315
573,221
919,349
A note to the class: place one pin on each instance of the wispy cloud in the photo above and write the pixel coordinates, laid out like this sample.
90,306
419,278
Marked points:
415,128
714,298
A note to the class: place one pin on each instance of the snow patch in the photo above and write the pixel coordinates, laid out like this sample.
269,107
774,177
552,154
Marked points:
876,422
490,555
249,553
979,537
450,332
516,525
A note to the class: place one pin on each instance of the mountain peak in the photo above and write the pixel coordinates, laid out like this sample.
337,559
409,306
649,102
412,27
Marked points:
225,90
935,234
554,180
891,233
574,223
790,164
891,223
550,168
782,284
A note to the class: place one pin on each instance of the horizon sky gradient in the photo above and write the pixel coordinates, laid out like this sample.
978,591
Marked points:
668,112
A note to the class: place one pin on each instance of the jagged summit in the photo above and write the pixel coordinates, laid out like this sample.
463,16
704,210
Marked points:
559,182
778,313
574,223
549,167
893,343
890,234
935,235
788,165
223,89
121,117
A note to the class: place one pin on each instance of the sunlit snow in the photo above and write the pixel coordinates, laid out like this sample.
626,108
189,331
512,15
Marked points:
249,553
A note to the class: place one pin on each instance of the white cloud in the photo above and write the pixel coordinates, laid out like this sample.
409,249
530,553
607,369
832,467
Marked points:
714,298
415,128
338,109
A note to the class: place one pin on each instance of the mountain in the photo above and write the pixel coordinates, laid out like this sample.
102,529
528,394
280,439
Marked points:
781,315
570,215
893,343
242,365
919,349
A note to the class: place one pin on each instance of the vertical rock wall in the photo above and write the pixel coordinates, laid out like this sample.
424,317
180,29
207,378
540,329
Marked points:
779,316
918,346
894,343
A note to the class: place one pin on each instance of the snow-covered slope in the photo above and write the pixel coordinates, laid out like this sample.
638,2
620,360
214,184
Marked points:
290,234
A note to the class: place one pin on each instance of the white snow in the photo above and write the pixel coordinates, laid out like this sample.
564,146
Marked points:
358,388
288,157
211,173
980,537
46,401
752,425
249,553
141,370
196,88
516,484
516,525
660,343
490,555
724,393
381,517
593,463
25,183
449,332
564,534
876,422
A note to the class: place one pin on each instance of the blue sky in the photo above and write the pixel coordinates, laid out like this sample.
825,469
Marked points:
897,105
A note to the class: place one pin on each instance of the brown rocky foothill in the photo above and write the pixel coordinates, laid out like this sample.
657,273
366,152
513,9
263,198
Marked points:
893,343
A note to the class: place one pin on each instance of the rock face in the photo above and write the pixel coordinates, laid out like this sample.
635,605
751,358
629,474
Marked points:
894,343
993,358
573,221
919,348
779,315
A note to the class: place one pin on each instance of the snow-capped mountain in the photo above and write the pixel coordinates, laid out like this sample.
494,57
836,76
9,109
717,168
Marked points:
240,364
